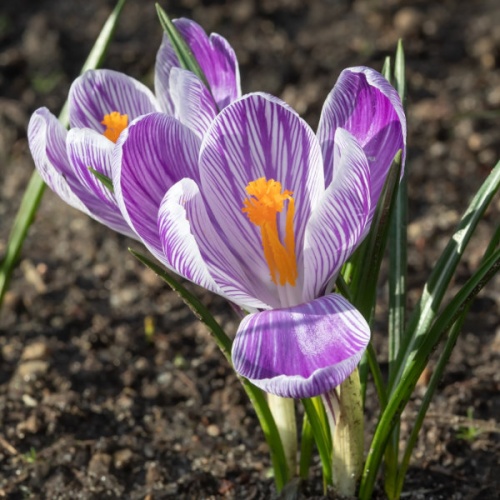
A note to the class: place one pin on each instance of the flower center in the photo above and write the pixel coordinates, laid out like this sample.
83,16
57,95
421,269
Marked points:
115,123
266,199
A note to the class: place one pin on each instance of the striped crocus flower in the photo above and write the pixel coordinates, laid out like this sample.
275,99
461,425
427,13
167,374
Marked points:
102,104
265,212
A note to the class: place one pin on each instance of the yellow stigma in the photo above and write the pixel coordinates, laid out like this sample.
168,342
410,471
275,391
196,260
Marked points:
265,201
114,123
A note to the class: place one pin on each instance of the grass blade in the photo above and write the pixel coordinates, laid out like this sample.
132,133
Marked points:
440,277
367,267
197,308
364,284
321,436
256,396
36,187
436,377
387,70
398,241
397,279
306,448
187,60
402,392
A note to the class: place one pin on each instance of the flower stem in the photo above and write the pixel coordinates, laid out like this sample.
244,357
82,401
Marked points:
345,413
283,410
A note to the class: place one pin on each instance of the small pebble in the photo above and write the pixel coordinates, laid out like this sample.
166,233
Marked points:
213,430
30,370
99,464
122,458
37,350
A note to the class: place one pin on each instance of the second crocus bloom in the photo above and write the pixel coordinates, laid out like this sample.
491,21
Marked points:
102,103
266,215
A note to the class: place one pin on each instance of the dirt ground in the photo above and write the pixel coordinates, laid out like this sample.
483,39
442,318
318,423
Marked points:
91,406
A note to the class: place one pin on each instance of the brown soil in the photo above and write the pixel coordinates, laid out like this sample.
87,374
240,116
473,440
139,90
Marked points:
90,406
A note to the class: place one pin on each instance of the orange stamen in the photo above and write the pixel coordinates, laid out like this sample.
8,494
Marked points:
265,200
115,123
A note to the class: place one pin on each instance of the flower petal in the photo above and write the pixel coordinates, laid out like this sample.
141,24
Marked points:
183,223
151,155
215,57
47,142
303,351
338,223
97,93
365,104
256,137
193,104
89,149
222,71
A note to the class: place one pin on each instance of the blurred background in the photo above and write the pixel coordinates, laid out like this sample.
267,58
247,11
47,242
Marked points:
108,386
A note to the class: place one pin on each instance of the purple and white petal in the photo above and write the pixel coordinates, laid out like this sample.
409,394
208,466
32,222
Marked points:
338,223
97,93
89,149
365,104
302,351
151,155
166,59
184,226
223,74
193,103
215,57
251,138
47,142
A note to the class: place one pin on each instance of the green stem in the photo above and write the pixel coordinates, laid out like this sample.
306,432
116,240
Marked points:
346,425
283,411
316,415
306,448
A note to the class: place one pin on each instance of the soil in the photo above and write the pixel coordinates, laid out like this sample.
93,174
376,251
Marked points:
109,388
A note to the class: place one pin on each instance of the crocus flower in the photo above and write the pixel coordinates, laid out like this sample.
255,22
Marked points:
101,105
265,212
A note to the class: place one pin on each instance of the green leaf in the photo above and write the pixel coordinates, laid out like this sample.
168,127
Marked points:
367,267
187,60
103,179
402,392
440,277
34,192
418,329
256,396
398,243
270,431
343,287
435,379
364,283
196,306
400,73
306,448
24,218
386,69
321,433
